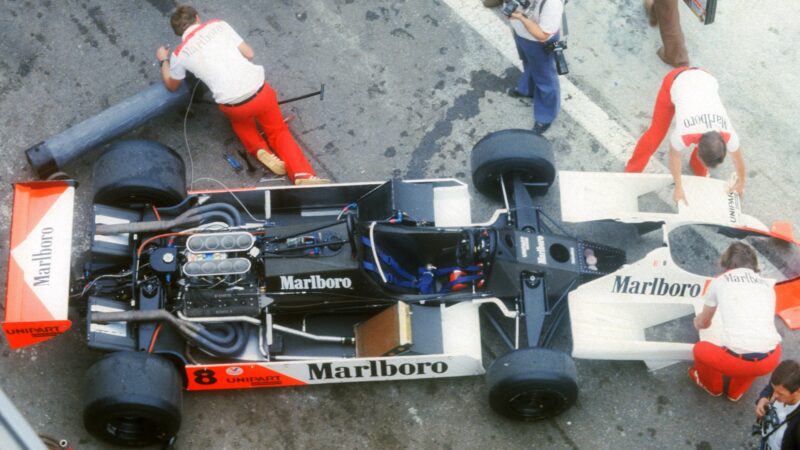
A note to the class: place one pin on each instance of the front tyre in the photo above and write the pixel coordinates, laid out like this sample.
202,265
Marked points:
507,152
132,399
532,384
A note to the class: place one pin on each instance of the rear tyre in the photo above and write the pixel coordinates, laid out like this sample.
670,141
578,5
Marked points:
506,152
139,172
532,384
132,399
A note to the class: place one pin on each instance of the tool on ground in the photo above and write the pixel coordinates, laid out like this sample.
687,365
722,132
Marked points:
237,166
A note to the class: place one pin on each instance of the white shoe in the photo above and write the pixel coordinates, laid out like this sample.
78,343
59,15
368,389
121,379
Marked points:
309,180
272,162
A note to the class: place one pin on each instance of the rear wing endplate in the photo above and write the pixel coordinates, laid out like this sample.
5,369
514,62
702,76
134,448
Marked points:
37,293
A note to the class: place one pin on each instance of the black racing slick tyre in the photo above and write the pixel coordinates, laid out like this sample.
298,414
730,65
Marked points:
139,172
506,152
132,399
532,384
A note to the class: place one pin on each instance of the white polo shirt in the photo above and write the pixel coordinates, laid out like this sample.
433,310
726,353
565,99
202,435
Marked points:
698,109
746,302
549,20
211,52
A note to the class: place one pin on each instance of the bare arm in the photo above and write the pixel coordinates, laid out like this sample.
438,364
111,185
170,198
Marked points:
738,163
703,320
675,170
533,28
162,54
246,51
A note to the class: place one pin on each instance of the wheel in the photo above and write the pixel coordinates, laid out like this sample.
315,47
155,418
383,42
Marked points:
512,151
132,398
532,384
139,172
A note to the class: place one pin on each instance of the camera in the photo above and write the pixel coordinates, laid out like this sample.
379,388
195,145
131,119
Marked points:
768,422
557,48
512,5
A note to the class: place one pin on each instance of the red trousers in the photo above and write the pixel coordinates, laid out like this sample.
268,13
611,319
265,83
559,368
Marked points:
663,113
263,110
713,363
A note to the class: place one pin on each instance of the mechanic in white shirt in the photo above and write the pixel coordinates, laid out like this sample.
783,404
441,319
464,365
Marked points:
702,126
534,27
783,392
750,342
220,58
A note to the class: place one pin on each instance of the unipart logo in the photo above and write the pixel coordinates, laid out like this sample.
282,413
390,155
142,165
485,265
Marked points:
315,282
733,208
656,286
34,331
373,369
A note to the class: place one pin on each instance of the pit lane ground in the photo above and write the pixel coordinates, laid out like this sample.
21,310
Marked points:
410,87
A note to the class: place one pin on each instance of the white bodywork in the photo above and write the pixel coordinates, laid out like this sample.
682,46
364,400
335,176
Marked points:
610,314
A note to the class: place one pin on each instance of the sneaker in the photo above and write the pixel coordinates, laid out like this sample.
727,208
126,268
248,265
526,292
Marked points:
272,162
539,128
693,375
735,399
309,180
514,93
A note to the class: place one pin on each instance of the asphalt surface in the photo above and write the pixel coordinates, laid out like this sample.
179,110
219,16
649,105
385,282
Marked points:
410,88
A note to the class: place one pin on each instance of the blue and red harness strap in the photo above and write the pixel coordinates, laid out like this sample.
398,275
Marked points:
427,276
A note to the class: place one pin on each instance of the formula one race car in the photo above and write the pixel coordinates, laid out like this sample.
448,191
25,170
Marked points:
297,285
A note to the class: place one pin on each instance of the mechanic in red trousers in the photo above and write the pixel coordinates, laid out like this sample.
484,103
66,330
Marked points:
750,343
218,56
701,126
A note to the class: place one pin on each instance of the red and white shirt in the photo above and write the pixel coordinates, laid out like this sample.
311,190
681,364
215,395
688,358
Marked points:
698,109
746,302
211,52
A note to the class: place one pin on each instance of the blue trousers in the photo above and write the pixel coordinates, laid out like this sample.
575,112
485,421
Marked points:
539,79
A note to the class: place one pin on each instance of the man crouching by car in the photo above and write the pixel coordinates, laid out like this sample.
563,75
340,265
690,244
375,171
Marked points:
776,409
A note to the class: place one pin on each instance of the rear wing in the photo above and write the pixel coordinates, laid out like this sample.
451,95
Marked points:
37,291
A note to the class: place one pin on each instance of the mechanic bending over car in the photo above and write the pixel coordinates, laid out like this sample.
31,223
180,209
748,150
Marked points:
701,125
776,408
750,343
219,57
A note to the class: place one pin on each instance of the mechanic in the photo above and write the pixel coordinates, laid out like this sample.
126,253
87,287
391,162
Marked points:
750,343
690,94
218,56
534,27
664,13
783,391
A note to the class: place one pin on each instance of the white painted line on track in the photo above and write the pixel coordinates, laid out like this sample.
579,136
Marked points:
609,133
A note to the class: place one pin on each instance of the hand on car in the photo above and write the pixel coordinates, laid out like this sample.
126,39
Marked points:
678,195
738,187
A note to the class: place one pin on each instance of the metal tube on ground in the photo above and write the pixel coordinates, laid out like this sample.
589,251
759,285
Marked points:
52,155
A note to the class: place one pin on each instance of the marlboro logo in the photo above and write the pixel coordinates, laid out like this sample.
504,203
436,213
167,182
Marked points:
655,286
43,257
315,282
374,369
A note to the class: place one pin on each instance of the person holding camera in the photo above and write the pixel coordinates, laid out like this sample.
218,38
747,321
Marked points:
778,418
536,24
219,57
702,126
750,342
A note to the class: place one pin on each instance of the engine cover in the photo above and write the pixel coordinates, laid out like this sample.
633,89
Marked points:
221,302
